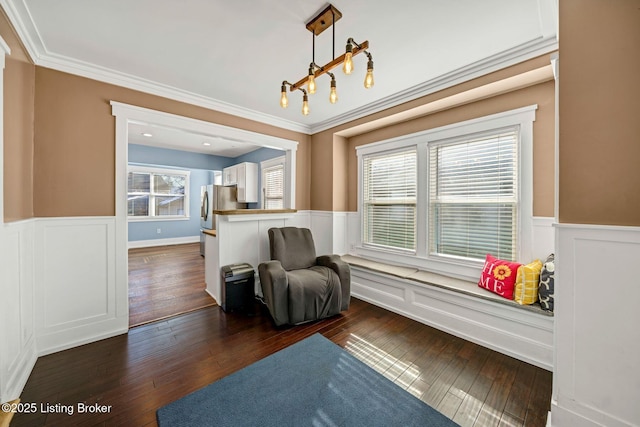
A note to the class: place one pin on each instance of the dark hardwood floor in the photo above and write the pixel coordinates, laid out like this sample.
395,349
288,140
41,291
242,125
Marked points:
159,362
165,281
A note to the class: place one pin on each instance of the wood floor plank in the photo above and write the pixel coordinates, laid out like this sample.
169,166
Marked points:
165,281
157,363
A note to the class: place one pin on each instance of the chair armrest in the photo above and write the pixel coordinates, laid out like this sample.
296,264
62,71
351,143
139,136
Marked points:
274,283
343,271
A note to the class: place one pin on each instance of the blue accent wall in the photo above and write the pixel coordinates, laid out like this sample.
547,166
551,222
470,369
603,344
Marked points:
201,167
144,154
259,155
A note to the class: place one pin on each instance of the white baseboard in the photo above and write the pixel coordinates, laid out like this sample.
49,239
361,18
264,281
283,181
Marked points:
162,242
64,340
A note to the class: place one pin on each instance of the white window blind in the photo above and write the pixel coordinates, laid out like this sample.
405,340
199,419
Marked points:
273,187
473,196
389,199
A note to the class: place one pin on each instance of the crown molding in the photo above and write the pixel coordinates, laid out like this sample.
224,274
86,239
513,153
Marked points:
107,75
42,57
27,32
529,50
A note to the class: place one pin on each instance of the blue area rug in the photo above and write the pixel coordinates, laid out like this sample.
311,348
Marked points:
311,383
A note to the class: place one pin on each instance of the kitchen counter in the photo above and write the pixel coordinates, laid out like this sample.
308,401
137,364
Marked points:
254,211
209,232
241,236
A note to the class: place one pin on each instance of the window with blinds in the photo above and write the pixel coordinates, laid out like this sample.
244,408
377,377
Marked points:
389,199
273,187
473,196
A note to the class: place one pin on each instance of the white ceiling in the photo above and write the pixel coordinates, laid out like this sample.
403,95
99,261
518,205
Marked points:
233,55
177,139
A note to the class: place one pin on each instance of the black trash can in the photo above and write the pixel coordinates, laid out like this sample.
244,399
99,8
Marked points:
238,283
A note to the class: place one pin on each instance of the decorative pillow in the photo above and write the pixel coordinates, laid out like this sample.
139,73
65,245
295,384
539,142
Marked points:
527,282
546,288
499,276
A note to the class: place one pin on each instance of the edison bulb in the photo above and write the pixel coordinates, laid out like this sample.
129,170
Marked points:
311,85
347,67
284,101
333,95
305,106
368,79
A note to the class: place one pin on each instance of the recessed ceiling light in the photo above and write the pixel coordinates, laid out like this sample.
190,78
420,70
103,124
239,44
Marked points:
147,134
206,144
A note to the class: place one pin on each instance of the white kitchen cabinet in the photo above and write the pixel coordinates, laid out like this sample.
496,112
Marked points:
230,175
245,177
247,182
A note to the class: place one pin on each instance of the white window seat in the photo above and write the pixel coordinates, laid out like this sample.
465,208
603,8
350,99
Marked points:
433,279
458,307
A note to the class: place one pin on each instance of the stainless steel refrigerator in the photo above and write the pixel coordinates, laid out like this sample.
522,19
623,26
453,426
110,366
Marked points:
213,198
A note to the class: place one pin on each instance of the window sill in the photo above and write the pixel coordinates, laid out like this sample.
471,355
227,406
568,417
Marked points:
464,270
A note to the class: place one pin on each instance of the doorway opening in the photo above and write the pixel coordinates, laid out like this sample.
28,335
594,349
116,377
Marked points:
128,119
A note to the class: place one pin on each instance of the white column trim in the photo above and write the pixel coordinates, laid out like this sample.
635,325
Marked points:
595,368
4,50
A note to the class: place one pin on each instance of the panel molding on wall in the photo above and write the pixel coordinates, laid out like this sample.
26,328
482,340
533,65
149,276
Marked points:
597,341
78,299
518,333
330,231
18,352
244,238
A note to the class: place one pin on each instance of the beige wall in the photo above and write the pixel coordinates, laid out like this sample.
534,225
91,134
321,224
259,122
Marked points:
74,154
340,195
340,173
599,112
322,172
18,128
18,140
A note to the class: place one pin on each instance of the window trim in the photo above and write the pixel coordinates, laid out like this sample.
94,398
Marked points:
133,168
270,163
465,269
362,204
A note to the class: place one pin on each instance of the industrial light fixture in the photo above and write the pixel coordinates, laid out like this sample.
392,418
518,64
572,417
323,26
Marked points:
323,20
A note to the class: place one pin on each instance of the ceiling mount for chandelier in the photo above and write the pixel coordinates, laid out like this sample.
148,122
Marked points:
325,19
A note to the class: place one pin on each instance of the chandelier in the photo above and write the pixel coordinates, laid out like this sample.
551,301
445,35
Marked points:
325,19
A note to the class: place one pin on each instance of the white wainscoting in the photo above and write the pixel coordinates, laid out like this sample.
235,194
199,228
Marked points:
77,298
244,238
330,232
510,330
18,352
596,378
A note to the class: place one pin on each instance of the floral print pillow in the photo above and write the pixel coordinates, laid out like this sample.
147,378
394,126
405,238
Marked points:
547,284
499,276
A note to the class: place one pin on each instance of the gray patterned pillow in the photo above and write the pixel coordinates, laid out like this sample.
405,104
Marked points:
546,288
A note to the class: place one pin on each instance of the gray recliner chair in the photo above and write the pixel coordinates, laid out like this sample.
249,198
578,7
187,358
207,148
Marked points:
298,286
